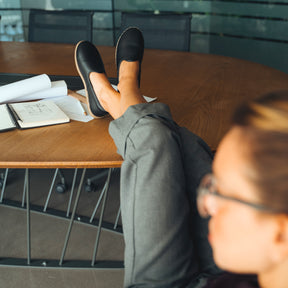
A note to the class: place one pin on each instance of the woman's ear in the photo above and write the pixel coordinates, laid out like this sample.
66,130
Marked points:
280,250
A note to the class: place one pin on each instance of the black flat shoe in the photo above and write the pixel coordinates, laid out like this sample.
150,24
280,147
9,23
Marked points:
130,47
88,59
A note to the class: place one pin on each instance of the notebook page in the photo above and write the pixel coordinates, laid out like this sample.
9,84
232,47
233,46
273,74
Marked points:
40,113
6,121
72,108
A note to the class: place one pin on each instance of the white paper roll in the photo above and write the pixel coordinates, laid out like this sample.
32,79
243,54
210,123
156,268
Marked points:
20,88
58,88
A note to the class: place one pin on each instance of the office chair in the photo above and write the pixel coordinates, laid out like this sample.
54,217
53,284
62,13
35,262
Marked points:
60,26
161,31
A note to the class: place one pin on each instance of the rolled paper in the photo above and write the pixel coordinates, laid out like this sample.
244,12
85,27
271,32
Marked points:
58,88
20,88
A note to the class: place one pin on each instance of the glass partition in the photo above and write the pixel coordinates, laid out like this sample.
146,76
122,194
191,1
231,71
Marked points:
253,30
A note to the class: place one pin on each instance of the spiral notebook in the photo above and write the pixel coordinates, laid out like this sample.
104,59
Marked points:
30,115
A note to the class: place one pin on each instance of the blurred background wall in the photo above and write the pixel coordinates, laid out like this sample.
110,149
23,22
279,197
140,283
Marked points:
254,30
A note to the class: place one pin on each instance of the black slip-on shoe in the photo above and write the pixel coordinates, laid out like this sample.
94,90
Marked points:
87,60
130,47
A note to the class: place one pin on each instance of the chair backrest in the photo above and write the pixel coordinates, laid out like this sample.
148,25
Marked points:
161,31
60,26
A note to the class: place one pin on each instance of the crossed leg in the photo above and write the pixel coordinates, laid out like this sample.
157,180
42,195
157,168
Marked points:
155,202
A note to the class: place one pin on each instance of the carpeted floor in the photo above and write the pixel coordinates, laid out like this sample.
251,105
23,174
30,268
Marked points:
48,233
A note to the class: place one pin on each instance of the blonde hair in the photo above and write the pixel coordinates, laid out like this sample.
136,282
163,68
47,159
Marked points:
269,118
269,112
265,123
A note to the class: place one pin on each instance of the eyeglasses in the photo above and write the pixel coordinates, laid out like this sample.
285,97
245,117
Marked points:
207,187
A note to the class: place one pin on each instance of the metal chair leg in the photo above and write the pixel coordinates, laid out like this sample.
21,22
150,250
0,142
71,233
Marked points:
72,217
98,202
101,218
24,192
4,185
72,192
28,216
50,190
117,218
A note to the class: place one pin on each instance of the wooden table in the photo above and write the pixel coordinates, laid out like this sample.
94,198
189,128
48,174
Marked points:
202,91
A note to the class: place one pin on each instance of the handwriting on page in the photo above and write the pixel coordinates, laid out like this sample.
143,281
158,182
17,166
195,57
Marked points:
37,109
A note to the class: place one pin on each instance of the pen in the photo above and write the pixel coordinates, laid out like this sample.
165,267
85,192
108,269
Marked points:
17,117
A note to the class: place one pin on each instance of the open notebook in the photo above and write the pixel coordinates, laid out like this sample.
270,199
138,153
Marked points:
30,115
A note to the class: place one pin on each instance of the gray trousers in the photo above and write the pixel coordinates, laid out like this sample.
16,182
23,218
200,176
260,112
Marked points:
165,238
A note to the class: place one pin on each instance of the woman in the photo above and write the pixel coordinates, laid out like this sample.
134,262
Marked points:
248,203
165,238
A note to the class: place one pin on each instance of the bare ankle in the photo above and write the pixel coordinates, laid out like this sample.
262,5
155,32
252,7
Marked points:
128,84
103,89
128,70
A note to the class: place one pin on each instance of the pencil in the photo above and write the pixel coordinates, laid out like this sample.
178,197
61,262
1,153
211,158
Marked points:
78,96
85,113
